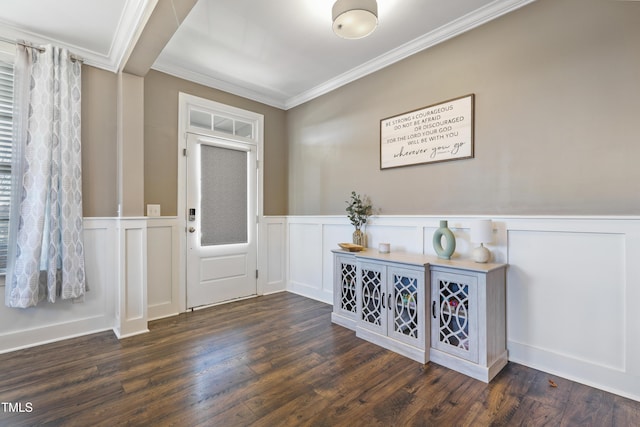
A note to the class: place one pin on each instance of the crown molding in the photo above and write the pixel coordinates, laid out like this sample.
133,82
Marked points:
446,32
133,17
223,85
136,13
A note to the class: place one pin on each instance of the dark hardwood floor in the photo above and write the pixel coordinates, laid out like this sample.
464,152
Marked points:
275,361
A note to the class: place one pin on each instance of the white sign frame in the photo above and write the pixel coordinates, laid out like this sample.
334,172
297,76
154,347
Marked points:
437,133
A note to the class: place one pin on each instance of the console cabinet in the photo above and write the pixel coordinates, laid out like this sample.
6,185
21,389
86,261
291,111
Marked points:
451,312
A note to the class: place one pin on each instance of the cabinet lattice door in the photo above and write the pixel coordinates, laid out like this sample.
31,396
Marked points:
348,277
454,318
392,302
406,290
345,290
372,296
454,314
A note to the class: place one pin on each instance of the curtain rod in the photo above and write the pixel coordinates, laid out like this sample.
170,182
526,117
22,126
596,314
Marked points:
40,49
25,44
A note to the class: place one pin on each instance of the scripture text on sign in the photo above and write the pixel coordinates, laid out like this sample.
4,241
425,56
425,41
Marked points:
432,134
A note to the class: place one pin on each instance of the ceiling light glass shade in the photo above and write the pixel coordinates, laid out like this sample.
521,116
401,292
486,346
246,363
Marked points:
354,19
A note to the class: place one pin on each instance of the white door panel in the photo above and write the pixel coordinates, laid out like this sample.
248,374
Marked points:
221,220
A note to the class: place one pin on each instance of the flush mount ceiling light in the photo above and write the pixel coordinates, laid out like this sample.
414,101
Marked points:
354,19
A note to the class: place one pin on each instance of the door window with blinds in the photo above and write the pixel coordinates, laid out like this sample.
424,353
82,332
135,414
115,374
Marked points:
223,195
6,132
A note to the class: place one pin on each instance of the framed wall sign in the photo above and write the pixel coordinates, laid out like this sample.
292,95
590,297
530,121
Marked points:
437,133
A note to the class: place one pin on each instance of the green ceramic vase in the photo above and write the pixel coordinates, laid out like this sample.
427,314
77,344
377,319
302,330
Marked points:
450,241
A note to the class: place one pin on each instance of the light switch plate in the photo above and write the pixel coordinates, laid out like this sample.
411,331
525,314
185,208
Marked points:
153,210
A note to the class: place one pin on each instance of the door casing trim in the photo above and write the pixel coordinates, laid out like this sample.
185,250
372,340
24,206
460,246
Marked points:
185,101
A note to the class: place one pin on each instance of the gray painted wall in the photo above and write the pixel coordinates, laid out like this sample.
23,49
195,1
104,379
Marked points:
557,86
99,143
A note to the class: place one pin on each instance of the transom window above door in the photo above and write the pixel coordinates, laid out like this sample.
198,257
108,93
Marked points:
223,124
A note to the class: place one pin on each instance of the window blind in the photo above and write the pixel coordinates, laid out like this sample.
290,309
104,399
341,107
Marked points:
6,144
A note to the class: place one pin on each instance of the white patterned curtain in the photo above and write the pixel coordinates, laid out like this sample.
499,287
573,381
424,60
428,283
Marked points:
46,253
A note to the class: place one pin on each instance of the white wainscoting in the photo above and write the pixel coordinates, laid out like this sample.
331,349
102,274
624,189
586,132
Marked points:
311,238
132,273
573,284
271,259
20,328
131,315
163,257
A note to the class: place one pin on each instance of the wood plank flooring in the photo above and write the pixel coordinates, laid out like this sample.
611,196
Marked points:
275,361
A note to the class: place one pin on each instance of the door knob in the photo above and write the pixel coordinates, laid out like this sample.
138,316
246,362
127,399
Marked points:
192,230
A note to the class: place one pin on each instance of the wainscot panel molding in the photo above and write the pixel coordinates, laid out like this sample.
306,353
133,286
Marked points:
132,273
272,256
21,328
131,314
573,284
163,257
134,276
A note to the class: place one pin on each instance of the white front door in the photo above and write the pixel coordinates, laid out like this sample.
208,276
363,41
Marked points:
221,220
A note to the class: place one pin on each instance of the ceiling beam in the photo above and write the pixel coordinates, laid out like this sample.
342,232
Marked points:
160,27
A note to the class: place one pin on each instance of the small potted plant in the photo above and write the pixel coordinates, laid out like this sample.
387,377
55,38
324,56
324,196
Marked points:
359,210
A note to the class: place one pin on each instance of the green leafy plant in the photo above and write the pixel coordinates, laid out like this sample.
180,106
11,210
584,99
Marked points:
359,210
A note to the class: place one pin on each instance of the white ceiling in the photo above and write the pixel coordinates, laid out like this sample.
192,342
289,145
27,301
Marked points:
99,31
280,52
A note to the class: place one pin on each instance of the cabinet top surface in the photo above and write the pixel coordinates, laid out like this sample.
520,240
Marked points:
421,260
